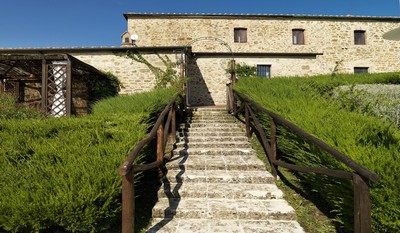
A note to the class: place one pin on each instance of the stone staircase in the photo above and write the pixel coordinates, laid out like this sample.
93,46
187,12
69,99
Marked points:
216,183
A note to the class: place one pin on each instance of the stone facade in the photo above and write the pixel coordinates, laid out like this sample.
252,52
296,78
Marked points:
328,45
134,76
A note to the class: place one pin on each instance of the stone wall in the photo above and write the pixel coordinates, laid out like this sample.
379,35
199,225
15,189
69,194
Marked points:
207,79
329,40
134,76
331,36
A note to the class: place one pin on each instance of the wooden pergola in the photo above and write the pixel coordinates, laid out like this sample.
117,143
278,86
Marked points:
47,81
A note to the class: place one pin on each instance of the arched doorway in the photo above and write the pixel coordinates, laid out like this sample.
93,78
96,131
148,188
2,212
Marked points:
208,72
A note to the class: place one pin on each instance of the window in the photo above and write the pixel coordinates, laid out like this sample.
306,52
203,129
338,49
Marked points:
240,35
264,71
360,70
298,36
126,39
359,37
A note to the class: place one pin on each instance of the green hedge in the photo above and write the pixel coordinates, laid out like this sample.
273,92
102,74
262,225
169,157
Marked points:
370,141
62,172
10,110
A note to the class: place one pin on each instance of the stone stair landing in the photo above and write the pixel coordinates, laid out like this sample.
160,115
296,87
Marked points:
216,183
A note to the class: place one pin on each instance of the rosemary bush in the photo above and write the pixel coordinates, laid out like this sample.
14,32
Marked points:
61,173
373,143
381,100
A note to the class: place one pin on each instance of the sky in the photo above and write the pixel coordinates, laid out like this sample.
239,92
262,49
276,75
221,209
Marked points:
83,23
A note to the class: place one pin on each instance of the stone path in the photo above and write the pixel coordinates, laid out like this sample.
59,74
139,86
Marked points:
216,183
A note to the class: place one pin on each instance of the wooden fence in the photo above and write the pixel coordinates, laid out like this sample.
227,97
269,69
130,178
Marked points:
164,127
238,103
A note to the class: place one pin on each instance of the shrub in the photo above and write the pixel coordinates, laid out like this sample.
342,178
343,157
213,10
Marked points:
10,110
103,87
378,100
307,102
62,172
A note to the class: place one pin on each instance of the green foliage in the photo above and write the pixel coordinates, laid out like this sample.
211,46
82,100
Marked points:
10,110
103,87
61,173
336,68
378,100
144,102
164,77
308,103
242,70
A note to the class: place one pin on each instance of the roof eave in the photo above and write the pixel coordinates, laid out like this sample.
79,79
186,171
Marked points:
63,50
249,16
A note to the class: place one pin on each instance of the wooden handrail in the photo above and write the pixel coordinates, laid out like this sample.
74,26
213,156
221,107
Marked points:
361,177
127,165
165,122
338,155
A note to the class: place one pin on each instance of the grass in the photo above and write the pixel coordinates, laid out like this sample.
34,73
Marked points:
309,216
69,165
368,140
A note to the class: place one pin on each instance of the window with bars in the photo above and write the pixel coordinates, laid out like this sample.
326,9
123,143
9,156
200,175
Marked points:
240,35
359,37
298,36
360,70
264,71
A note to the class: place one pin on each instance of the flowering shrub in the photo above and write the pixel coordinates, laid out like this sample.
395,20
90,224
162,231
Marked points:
381,100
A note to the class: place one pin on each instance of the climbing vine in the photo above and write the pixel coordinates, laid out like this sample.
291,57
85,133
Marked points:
164,77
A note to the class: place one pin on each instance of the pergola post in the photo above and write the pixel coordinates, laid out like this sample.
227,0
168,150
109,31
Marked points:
68,91
44,85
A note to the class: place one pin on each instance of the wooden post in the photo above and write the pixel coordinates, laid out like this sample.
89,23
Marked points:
68,90
2,86
233,71
44,86
160,146
362,205
173,124
19,91
274,168
128,203
247,119
228,99
234,106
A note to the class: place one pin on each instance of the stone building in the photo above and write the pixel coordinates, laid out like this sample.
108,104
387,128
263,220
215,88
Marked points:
278,45
202,46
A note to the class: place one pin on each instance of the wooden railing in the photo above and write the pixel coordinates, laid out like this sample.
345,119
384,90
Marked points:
238,103
164,126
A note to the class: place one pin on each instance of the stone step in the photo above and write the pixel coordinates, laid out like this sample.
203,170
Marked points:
211,116
200,138
208,108
210,113
214,162
216,183
204,113
234,128
208,125
190,134
213,151
216,120
163,225
216,190
218,176
208,145
233,209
